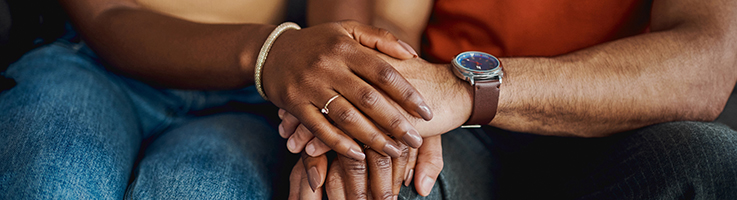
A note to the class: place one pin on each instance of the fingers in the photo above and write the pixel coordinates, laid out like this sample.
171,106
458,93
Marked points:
354,123
409,171
385,77
303,137
380,175
429,165
379,39
335,185
375,106
288,125
316,168
355,176
299,184
316,147
316,123
398,169
299,139
295,180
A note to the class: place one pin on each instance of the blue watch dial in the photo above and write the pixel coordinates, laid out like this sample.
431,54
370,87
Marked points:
477,61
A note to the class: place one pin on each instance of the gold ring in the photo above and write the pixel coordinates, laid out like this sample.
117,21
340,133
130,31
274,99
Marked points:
324,109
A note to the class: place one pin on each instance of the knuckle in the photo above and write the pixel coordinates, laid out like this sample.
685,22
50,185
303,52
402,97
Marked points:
355,168
437,165
384,33
408,95
340,45
333,180
361,195
376,139
289,97
332,142
387,195
405,151
318,129
369,98
347,116
395,122
322,61
383,163
302,134
388,76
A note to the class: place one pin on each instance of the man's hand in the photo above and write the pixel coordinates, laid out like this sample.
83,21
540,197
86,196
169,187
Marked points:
377,176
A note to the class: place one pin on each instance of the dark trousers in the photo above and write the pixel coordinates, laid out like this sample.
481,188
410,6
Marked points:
678,160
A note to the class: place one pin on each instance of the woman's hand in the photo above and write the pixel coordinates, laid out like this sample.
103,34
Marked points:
448,96
305,68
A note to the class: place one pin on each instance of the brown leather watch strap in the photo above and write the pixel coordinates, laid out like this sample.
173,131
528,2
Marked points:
485,101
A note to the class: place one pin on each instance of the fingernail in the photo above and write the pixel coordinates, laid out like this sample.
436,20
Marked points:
396,197
291,144
281,113
357,155
408,48
392,150
424,111
281,131
426,184
314,178
310,149
412,138
408,177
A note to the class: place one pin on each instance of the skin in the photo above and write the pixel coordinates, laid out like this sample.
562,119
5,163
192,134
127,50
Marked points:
683,70
425,162
163,49
430,163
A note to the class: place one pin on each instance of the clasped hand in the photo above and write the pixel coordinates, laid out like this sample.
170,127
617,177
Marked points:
306,68
376,101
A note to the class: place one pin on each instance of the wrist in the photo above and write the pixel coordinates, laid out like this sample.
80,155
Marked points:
465,99
483,72
252,41
264,52
452,100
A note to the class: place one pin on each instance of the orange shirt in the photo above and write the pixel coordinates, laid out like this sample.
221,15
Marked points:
529,27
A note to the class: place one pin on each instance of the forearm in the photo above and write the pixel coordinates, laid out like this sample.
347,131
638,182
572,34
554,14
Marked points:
672,75
321,11
171,52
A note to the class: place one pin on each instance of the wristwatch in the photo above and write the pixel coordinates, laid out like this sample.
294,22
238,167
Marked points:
484,72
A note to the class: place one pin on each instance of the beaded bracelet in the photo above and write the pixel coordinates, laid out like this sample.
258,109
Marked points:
265,51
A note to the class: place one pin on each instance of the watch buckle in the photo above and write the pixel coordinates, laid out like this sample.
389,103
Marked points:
470,126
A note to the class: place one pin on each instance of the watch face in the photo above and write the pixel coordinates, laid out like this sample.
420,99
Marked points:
477,61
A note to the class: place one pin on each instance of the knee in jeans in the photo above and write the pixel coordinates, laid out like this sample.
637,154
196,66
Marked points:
56,68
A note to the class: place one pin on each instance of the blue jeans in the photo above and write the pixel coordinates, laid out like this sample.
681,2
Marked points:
72,130
677,160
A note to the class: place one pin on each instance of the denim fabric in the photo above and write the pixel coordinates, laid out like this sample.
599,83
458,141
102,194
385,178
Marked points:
72,130
677,160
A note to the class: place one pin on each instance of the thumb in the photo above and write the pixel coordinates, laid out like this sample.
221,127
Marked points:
429,164
299,187
380,39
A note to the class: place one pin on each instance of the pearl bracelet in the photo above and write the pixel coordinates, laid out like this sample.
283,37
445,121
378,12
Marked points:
265,51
